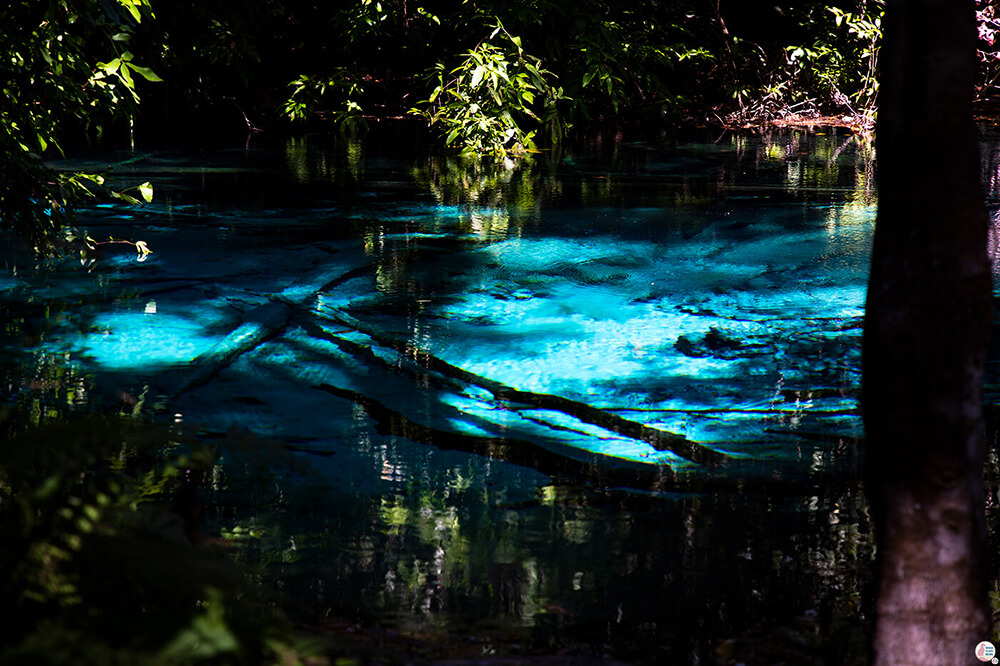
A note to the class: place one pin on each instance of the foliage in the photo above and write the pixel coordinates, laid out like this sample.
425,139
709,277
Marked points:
212,55
98,564
484,104
544,67
838,71
866,27
608,62
989,57
310,92
65,66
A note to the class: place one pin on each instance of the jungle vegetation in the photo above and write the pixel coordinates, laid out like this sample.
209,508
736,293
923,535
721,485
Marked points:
494,81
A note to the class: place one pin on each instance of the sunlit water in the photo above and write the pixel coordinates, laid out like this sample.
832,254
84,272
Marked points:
609,401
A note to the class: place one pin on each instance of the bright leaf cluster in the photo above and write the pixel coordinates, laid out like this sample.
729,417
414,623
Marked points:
56,76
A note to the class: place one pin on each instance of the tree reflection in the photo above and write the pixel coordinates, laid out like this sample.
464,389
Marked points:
680,577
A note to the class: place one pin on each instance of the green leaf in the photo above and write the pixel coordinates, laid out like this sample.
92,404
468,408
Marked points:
126,76
477,76
146,73
208,635
127,198
132,9
109,67
146,190
423,12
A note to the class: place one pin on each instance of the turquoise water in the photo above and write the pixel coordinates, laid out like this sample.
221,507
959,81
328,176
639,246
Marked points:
609,400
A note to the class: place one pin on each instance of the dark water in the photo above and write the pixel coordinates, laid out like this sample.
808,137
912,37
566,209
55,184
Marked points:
607,403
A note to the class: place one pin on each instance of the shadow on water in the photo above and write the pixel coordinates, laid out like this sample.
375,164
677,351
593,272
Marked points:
604,404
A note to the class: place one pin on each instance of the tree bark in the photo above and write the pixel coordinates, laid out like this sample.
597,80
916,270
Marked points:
926,327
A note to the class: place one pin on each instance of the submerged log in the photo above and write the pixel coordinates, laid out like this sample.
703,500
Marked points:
271,318
661,440
516,451
259,325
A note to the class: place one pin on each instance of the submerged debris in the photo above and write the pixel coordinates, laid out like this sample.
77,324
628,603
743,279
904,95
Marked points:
714,343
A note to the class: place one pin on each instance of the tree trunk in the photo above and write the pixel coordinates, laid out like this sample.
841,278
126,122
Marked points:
926,328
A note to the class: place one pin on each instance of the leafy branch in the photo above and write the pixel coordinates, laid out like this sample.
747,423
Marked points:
51,78
494,103
310,91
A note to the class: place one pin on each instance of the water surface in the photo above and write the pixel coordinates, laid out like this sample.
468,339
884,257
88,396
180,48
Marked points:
605,401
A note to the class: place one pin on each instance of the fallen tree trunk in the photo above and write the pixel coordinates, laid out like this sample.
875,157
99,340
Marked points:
259,325
660,440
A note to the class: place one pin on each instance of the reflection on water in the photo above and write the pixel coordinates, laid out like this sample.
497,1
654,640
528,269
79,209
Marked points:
659,579
605,400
